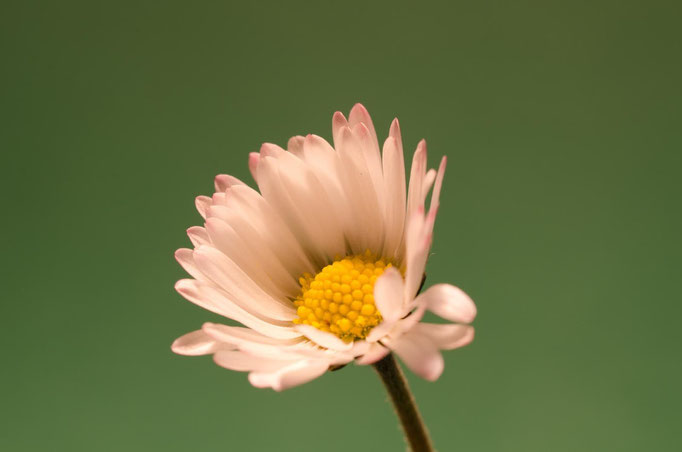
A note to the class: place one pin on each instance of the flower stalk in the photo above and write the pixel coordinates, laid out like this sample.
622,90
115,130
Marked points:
405,406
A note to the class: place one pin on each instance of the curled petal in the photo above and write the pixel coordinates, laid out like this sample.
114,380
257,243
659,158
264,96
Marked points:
449,302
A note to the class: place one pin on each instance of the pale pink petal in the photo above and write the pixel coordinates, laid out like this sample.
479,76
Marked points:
195,343
214,300
292,375
394,192
272,230
372,158
245,362
388,295
427,183
310,198
185,258
239,336
419,354
242,255
375,353
417,245
449,302
417,174
447,337
239,240
360,190
323,338
244,292
274,192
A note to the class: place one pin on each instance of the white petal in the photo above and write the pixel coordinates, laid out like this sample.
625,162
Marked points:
251,251
243,291
214,300
419,354
323,338
241,255
394,187
388,295
360,191
245,362
447,337
310,198
272,230
239,336
292,375
194,344
449,302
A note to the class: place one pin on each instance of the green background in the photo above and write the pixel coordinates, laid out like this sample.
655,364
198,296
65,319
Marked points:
560,215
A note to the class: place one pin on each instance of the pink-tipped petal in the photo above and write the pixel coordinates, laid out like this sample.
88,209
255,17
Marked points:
254,158
360,115
295,145
224,181
449,302
338,124
202,204
198,236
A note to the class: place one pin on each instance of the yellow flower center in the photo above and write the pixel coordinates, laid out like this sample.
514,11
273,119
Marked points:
340,298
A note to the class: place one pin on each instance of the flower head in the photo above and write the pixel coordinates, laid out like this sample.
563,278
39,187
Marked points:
322,266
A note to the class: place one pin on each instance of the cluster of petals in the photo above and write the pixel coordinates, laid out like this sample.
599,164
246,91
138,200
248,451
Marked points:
314,203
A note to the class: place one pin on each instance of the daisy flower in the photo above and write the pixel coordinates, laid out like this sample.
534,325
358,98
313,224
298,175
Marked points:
323,264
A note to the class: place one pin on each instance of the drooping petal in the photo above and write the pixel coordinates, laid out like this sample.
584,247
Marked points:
244,362
292,375
449,302
447,337
419,354
375,353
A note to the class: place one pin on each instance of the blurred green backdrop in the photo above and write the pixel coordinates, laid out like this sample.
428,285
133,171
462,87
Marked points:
560,216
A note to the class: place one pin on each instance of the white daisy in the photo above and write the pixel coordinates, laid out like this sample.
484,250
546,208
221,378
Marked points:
324,264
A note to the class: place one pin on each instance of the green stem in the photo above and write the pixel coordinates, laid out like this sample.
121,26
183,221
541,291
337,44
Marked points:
396,384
